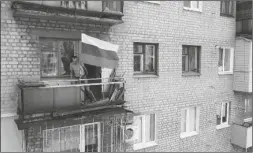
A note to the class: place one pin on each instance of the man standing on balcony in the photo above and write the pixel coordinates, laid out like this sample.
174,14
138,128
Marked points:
79,71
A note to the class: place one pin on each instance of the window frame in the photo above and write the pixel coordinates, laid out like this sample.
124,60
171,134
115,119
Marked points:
194,9
144,144
77,43
224,124
233,9
198,60
143,57
223,61
187,120
246,106
82,135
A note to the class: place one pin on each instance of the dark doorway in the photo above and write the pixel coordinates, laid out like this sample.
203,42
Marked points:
95,72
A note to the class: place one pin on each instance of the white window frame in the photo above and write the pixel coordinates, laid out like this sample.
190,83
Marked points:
192,133
195,9
231,61
82,135
246,102
225,124
144,144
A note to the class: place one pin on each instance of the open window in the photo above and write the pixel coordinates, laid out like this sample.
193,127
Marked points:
226,60
193,5
146,136
189,121
222,115
191,60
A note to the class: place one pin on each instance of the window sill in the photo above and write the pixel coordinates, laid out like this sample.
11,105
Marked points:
225,73
192,9
222,126
227,15
190,134
191,74
144,145
145,76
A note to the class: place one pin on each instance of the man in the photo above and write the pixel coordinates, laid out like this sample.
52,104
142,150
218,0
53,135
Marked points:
79,71
66,63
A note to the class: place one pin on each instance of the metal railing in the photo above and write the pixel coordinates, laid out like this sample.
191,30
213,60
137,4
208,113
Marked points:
71,94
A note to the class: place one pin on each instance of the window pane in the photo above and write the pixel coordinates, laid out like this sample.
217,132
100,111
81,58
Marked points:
139,123
220,60
248,107
218,114
49,64
183,120
192,119
194,4
222,6
62,139
67,49
238,26
91,138
138,49
227,60
187,3
152,127
185,63
224,112
193,63
247,26
138,63
150,58
147,128
230,8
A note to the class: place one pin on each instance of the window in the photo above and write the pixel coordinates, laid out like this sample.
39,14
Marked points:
77,138
191,59
244,26
227,8
248,108
56,57
222,115
145,58
147,134
193,5
189,121
226,58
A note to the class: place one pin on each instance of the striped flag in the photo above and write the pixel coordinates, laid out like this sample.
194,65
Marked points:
99,53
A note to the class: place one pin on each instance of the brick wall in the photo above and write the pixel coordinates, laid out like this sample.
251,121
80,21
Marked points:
167,24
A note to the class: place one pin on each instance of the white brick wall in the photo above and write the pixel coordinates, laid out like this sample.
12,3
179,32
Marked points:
167,24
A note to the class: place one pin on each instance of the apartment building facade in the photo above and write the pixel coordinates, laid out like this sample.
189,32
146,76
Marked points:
176,58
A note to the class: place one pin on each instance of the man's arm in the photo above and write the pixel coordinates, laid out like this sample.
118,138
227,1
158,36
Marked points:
71,71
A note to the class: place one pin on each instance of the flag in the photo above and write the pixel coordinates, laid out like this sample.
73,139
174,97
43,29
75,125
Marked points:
98,52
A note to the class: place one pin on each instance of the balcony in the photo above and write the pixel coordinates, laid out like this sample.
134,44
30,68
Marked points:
94,95
94,12
243,65
242,135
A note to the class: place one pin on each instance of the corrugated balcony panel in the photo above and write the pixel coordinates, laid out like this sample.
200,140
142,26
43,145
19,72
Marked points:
71,96
37,100
243,65
241,136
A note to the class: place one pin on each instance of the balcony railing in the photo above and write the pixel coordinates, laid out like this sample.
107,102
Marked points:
75,95
242,135
116,6
88,11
